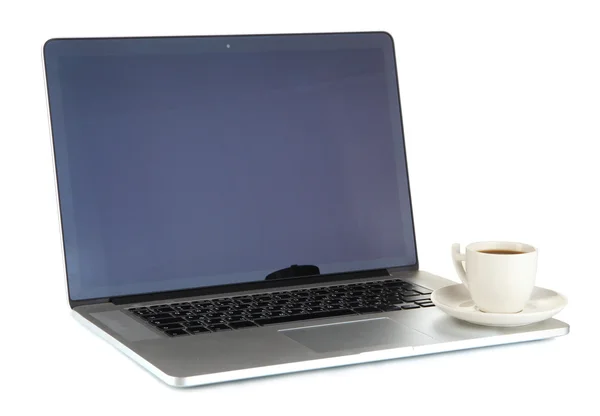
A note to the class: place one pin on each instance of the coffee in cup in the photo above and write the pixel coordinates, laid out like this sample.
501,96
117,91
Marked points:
499,275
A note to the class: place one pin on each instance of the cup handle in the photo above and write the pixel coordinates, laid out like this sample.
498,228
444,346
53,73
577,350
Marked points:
458,258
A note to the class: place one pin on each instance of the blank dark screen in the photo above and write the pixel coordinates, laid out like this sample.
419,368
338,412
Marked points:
190,168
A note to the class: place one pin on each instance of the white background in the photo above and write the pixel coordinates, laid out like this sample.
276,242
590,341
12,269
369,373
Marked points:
501,107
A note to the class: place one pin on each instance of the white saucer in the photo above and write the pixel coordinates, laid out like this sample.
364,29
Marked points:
456,301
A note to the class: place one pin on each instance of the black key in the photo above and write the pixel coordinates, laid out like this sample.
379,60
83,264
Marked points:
420,302
219,327
166,321
156,316
200,311
192,323
141,311
427,305
410,306
241,324
201,302
294,318
222,308
214,320
407,293
416,298
175,332
163,309
197,330
263,303
367,309
166,327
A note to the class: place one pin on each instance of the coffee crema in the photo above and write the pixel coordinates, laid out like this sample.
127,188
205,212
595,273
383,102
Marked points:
501,251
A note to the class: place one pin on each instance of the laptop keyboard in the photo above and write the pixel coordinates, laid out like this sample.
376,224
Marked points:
238,312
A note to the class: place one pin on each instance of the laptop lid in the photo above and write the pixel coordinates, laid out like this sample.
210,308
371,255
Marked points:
191,162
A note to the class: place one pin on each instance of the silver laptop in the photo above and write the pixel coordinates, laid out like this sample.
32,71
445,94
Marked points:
239,206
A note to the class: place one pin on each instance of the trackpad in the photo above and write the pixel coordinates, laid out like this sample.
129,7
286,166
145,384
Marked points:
357,335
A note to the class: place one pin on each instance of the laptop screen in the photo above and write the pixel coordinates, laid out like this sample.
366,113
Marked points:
188,162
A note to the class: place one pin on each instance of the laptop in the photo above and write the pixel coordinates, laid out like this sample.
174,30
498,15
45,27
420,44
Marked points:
239,206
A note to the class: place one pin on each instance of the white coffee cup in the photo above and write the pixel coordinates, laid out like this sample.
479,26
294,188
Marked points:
498,283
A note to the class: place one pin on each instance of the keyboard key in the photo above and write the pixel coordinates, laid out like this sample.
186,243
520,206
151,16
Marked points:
241,324
197,330
155,317
420,302
294,318
142,311
166,327
197,322
410,306
427,305
409,293
416,298
166,321
164,309
175,332
201,302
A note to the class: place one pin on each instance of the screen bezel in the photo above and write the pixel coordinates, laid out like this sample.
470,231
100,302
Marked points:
209,290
